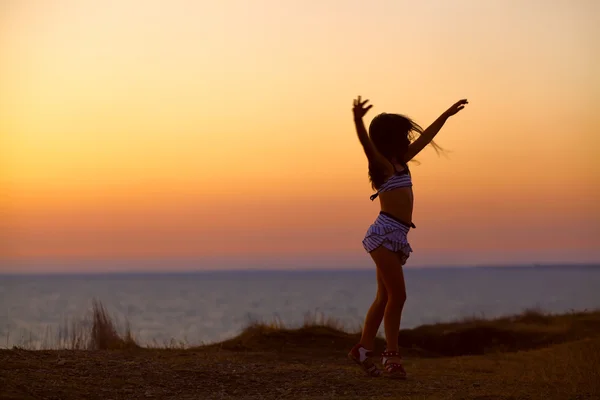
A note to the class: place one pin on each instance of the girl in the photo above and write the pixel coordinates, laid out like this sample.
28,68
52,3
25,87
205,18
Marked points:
389,146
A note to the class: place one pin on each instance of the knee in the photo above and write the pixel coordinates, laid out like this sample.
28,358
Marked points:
398,298
382,298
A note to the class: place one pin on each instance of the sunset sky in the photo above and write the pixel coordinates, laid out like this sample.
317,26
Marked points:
220,132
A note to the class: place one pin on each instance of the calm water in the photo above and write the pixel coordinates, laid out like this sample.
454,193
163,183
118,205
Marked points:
212,306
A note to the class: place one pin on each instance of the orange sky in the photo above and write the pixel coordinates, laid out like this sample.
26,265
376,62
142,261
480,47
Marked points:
145,130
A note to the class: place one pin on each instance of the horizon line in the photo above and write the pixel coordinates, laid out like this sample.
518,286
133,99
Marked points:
298,270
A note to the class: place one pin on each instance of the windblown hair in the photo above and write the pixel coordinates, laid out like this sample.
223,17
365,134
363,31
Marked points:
391,134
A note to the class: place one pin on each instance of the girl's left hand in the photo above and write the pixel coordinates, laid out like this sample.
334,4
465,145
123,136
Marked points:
456,107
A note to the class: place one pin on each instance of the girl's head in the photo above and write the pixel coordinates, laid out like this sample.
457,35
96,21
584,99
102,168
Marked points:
392,134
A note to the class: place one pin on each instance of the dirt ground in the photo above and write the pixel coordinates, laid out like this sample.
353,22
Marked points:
564,371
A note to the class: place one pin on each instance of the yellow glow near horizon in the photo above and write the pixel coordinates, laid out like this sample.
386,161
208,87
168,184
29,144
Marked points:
160,123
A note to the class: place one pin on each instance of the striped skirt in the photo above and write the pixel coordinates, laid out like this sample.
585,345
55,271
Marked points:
390,233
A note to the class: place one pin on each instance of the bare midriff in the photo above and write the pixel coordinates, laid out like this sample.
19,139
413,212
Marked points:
399,203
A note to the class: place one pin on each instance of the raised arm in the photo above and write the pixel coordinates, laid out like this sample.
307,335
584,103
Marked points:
359,110
428,134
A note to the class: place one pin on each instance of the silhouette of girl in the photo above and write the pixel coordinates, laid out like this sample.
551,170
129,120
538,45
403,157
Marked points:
389,146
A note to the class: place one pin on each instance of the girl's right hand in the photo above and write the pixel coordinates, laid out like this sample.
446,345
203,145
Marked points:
359,108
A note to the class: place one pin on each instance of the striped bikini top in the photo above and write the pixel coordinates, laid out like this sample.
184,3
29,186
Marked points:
398,180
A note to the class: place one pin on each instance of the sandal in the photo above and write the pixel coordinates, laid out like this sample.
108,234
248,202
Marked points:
361,356
394,370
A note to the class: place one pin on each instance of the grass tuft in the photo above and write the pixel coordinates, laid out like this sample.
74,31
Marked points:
104,335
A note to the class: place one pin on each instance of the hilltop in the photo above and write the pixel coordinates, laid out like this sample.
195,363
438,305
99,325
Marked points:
527,356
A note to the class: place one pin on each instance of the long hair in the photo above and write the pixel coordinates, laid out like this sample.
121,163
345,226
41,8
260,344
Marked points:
391,134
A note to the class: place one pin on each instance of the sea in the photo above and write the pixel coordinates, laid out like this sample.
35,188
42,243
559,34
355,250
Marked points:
189,309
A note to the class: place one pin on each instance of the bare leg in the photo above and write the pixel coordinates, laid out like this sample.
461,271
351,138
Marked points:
388,306
362,352
374,315
389,265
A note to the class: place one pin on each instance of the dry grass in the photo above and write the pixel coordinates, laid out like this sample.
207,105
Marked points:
473,336
95,332
104,335
530,330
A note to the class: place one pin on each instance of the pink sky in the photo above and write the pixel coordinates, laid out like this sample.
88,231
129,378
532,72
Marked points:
220,132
